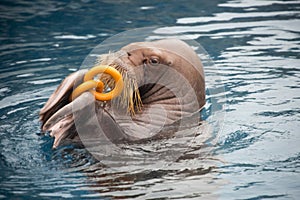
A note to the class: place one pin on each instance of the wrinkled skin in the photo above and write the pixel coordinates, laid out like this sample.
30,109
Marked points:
170,80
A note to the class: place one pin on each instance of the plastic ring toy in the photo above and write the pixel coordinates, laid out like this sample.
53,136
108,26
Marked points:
90,84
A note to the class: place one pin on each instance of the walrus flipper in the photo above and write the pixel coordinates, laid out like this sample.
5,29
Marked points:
60,97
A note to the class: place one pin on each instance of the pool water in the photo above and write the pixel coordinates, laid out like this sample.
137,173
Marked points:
252,111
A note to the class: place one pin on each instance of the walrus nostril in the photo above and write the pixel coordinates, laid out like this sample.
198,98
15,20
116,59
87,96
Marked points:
129,54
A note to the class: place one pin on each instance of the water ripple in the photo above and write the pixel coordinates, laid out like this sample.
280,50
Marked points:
252,101
223,17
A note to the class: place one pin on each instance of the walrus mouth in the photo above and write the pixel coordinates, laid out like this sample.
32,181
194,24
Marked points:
130,98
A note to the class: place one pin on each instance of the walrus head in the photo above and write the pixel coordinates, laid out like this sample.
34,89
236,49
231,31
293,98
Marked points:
163,86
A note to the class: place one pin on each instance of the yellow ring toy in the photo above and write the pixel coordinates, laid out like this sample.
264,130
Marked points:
90,84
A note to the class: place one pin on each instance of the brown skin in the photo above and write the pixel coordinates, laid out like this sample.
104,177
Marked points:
170,80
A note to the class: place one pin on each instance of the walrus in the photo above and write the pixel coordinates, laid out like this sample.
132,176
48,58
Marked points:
164,90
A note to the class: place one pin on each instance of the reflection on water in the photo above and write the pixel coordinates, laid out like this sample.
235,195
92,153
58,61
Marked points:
254,154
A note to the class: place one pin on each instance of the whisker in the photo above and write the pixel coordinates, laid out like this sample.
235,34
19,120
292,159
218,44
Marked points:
130,98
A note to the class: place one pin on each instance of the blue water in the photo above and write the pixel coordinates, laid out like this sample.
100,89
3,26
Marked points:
253,96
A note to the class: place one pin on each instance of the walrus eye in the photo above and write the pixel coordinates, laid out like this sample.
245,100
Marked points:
154,61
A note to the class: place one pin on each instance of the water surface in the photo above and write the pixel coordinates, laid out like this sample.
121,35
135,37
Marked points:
252,96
